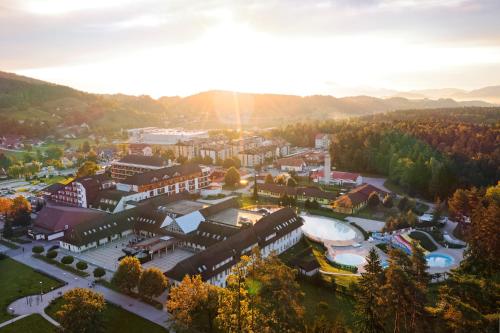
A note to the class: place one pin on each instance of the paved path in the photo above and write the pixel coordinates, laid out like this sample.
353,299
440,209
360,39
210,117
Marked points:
143,310
367,224
5,323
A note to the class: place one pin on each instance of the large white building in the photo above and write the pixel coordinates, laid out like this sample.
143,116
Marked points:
276,233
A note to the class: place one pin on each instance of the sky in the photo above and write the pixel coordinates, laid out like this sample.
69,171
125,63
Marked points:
303,47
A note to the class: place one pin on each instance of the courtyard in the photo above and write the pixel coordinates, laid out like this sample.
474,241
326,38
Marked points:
107,255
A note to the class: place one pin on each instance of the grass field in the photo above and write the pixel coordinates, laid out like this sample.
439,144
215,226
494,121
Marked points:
32,323
339,307
18,280
117,320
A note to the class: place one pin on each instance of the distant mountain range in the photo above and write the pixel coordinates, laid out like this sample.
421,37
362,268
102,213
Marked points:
24,98
489,94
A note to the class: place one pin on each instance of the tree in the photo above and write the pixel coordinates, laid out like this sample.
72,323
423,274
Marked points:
437,212
21,210
291,182
5,206
280,180
82,311
67,260
387,202
483,237
152,283
86,147
255,194
236,313
128,274
368,312
54,153
37,249
273,288
7,230
82,265
194,303
232,177
403,204
373,200
88,168
99,272
420,281
458,206
51,254
269,179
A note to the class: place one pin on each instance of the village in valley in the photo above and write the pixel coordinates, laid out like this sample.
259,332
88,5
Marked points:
193,203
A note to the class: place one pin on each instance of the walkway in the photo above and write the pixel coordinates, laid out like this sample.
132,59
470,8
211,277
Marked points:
133,305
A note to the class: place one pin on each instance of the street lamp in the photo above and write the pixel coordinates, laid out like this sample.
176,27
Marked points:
41,292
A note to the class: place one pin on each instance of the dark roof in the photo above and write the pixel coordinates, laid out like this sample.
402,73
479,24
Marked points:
219,207
149,220
209,233
108,199
276,225
358,195
100,228
143,160
93,185
314,192
58,218
279,189
149,177
52,189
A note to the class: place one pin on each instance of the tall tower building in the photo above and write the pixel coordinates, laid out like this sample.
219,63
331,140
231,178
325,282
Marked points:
327,169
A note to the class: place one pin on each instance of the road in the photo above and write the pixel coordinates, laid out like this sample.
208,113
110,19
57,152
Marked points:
20,306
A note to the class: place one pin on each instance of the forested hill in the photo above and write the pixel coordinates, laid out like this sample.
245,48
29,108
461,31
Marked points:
34,108
429,152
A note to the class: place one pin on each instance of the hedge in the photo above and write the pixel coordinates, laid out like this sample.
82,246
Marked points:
51,254
67,260
37,249
81,265
366,235
99,272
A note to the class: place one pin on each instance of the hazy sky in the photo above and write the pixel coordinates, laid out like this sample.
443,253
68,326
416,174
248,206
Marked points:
343,47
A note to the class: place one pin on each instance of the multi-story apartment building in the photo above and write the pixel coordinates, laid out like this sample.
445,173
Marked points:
81,191
135,164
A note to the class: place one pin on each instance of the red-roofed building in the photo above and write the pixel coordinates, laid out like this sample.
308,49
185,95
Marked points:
356,199
291,164
340,178
53,221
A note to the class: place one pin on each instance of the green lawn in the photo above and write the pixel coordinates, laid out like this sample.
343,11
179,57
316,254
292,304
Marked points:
423,240
117,319
18,280
340,307
32,323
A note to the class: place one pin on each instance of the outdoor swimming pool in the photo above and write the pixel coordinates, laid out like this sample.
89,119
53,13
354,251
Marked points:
349,259
324,228
439,260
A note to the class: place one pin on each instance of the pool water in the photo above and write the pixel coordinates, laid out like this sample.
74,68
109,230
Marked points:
327,229
349,259
439,260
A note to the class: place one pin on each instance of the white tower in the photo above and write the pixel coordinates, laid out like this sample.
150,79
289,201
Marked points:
327,169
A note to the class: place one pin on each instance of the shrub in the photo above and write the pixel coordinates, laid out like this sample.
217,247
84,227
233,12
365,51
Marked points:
51,254
349,268
67,260
81,265
37,249
99,272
